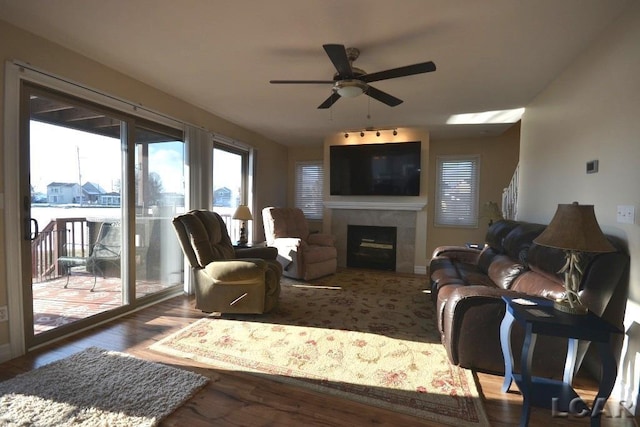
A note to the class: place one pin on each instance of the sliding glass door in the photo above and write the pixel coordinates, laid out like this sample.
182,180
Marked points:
159,196
100,189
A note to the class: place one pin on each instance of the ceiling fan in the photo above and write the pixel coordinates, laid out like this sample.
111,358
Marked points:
350,81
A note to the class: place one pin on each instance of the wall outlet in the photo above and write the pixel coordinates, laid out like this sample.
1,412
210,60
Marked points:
4,314
626,214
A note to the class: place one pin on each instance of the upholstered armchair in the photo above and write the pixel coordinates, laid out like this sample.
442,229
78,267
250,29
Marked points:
303,255
227,280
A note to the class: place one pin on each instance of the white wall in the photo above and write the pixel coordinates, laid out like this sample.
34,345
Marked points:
591,111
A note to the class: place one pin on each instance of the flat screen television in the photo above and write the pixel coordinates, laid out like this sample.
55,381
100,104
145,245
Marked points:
387,169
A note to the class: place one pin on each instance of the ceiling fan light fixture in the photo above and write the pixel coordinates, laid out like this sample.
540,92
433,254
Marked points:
350,88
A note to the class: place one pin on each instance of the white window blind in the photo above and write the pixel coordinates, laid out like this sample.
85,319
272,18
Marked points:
309,178
457,191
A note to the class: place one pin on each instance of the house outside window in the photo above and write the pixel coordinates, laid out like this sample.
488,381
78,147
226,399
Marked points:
457,191
308,192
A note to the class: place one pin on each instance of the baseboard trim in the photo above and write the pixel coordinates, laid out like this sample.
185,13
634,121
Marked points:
420,269
5,352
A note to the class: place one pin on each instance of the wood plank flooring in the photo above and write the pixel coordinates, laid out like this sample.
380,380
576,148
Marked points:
238,399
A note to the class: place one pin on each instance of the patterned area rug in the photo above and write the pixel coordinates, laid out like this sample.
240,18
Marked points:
361,335
96,387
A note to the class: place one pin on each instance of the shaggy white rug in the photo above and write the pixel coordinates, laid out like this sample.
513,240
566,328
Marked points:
96,387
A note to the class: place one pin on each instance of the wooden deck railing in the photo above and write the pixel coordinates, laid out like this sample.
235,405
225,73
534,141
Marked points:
71,237
61,237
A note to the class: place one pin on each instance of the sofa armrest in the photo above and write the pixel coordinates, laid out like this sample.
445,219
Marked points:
472,334
266,252
471,326
287,243
321,239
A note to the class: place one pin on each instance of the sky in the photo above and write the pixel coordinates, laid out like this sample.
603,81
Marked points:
60,154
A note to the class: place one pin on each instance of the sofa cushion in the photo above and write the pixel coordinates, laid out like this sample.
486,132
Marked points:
473,276
546,261
516,244
485,258
503,271
497,232
536,284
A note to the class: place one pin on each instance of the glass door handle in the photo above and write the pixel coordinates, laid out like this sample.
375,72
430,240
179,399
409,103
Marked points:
32,235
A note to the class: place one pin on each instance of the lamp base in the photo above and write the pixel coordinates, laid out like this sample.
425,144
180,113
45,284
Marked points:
564,306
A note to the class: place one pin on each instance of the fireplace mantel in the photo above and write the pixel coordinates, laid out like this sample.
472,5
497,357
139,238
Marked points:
377,205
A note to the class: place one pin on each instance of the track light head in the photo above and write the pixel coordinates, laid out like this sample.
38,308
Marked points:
378,133
346,135
395,132
361,133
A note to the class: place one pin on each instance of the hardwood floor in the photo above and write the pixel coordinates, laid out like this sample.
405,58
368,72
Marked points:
238,399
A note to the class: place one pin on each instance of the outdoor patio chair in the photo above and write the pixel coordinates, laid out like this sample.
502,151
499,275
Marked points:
104,255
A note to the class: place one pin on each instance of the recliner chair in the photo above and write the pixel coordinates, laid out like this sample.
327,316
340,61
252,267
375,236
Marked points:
303,255
227,280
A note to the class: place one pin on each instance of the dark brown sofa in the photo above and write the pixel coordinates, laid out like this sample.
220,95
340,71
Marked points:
467,286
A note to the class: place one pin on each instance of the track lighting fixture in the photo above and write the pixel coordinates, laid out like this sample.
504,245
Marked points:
378,131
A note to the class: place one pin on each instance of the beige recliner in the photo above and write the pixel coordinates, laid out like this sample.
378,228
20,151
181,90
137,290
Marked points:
303,255
227,280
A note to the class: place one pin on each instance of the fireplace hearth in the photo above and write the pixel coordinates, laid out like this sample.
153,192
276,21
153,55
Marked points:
371,247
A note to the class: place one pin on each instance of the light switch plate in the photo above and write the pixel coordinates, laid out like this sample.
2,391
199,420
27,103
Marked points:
626,214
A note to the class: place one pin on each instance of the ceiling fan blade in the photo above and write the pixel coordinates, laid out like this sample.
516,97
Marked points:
330,101
383,97
409,70
302,82
338,55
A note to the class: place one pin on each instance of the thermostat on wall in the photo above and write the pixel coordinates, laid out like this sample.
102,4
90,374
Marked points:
592,166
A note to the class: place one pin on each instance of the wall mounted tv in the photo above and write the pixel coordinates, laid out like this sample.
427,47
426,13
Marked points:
387,169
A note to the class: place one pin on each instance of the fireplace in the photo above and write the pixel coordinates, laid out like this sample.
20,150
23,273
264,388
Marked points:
371,247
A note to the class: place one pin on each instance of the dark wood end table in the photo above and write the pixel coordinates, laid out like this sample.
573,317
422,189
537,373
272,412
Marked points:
538,316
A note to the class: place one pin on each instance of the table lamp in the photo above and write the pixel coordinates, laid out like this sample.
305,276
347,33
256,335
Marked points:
574,229
243,214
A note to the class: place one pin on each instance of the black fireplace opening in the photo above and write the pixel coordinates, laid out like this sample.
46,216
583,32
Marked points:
371,247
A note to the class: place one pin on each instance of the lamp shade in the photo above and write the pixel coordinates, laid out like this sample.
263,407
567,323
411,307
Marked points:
574,227
243,213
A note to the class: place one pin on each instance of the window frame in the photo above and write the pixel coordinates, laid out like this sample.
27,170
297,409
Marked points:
442,218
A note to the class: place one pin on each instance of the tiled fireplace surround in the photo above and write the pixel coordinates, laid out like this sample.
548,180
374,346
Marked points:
402,217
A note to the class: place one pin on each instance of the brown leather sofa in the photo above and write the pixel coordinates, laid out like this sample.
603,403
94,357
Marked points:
467,285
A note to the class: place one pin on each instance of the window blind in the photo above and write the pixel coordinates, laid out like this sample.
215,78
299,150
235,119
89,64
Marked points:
309,179
457,191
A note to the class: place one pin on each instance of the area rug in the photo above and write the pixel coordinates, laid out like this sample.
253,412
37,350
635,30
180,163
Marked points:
96,387
360,335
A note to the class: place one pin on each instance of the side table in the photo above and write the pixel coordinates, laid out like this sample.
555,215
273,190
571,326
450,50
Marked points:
538,316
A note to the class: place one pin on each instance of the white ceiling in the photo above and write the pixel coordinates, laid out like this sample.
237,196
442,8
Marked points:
220,55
